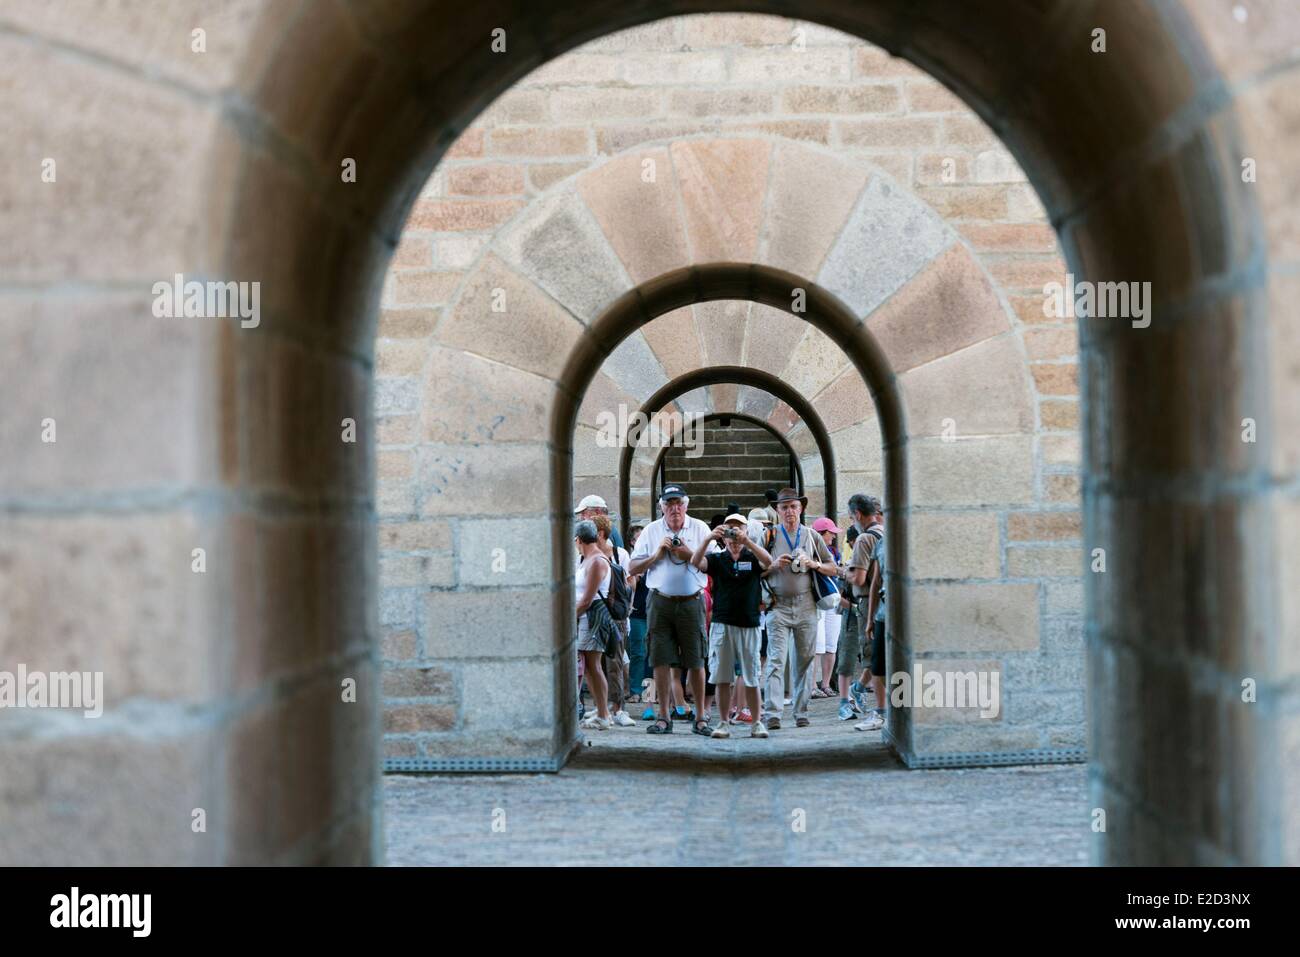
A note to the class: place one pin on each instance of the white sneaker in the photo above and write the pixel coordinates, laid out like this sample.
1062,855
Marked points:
720,732
873,722
597,723
759,730
624,720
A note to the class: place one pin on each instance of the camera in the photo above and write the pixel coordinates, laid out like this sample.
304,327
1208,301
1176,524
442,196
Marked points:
799,563
675,542
730,533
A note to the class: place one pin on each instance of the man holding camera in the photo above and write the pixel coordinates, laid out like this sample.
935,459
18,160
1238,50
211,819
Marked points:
737,572
796,551
675,609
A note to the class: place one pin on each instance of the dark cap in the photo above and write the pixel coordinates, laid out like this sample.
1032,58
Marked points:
672,491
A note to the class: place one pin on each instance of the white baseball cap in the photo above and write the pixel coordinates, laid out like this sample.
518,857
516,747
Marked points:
591,501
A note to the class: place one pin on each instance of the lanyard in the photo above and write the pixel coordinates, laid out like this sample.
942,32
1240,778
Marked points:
786,535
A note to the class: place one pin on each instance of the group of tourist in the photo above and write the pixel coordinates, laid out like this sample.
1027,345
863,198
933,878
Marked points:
755,612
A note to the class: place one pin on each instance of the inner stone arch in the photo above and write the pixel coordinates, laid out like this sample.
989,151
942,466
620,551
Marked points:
725,458
807,431
771,287
926,323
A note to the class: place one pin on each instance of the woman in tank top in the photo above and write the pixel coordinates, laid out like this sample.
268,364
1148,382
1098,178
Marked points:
591,584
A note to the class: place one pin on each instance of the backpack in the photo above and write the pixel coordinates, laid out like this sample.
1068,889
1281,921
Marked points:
876,533
619,599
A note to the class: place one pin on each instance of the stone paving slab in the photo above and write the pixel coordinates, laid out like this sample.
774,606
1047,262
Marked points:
637,799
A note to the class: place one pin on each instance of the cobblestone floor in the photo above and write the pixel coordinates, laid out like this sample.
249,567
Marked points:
632,798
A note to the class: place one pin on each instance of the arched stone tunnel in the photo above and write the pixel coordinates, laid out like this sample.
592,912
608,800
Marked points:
182,434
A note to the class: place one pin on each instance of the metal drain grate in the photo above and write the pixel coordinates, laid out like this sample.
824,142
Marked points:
469,765
981,759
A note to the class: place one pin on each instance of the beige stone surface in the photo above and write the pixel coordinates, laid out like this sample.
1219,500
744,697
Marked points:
55,805
1285,373
116,591
992,470
504,552
814,363
1062,488
533,333
722,187
954,545
499,403
401,571
857,448
164,426
557,243
966,679
973,618
771,335
844,402
517,695
1059,414
1044,526
809,198
979,390
125,152
950,305
1061,449
603,397
722,326
675,342
593,454
1287,518
514,623
488,179
414,536
1035,562
1056,379
1270,117
478,479
618,194
723,396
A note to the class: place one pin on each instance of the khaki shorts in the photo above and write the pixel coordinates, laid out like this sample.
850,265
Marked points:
729,644
675,632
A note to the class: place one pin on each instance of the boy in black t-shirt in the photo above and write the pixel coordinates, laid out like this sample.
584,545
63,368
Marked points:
734,635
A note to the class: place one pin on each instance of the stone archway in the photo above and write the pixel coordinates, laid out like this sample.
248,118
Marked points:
1136,156
532,312
756,432
735,375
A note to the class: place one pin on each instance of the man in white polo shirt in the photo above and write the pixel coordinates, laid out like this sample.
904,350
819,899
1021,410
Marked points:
675,633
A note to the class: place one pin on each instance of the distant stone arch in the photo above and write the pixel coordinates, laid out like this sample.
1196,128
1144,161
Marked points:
808,421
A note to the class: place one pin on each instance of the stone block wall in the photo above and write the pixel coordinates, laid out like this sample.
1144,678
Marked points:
737,462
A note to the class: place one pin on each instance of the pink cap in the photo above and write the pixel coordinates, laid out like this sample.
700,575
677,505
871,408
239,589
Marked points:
824,524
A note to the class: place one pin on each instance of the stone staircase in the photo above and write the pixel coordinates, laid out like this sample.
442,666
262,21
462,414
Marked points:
738,462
